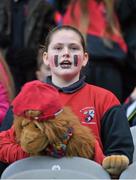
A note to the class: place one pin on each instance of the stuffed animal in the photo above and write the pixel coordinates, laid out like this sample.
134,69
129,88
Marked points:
59,136
44,127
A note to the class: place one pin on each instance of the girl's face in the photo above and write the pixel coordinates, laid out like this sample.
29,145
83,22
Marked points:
65,54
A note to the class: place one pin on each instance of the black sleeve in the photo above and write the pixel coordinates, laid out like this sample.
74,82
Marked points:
8,120
115,133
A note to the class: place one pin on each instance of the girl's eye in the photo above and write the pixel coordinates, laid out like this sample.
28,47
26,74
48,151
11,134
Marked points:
58,48
74,48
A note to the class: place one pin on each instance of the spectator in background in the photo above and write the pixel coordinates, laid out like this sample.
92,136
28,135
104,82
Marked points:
23,26
6,88
43,70
4,102
126,11
106,47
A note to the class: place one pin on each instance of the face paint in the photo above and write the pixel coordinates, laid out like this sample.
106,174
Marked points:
56,60
76,60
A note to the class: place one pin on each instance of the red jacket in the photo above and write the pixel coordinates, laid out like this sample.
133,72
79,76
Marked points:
10,150
90,104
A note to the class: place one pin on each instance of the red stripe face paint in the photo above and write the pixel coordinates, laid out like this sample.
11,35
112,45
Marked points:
54,61
76,60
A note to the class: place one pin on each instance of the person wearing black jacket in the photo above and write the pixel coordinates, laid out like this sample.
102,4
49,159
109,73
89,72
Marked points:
126,12
23,27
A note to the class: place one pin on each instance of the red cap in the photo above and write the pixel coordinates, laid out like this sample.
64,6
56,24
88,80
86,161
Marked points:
36,95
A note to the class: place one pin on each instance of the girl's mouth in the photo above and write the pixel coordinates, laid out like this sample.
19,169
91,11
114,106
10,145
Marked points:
66,64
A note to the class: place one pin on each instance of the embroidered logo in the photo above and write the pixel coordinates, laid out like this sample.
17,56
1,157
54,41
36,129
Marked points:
88,113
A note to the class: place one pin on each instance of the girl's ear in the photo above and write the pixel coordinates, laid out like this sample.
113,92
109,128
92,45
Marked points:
85,60
45,59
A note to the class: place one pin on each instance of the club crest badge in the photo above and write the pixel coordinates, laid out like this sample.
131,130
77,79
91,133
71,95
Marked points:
88,114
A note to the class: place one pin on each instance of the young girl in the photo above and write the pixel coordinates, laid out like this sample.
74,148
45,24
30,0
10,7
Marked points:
96,107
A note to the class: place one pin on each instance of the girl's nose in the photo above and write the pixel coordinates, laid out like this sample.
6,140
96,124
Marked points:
66,55
66,52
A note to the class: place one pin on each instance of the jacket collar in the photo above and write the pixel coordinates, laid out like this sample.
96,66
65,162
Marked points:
69,89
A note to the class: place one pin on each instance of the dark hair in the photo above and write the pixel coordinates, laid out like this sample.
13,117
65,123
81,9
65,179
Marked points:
59,28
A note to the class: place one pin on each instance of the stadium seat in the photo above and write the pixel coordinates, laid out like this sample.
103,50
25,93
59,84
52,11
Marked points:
129,173
40,167
133,131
